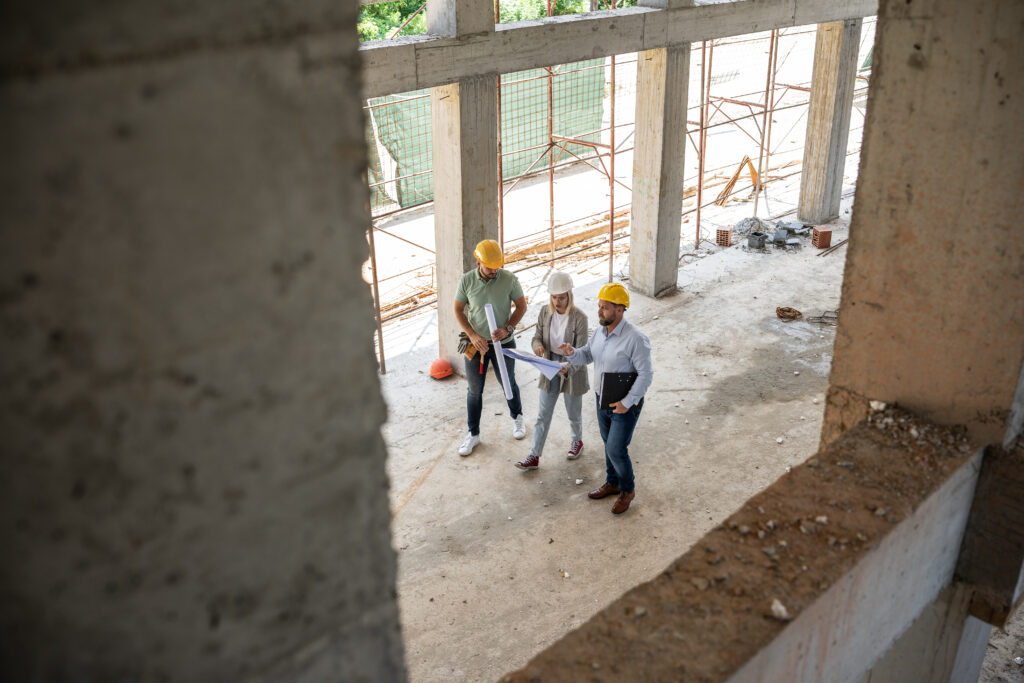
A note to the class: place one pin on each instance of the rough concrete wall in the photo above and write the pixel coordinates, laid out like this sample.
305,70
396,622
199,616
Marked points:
194,483
932,309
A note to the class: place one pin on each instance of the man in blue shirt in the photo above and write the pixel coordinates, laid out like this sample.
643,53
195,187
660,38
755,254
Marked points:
618,346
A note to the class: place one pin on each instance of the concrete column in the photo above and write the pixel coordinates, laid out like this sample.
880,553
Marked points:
661,85
464,121
193,478
828,120
459,18
662,78
936,226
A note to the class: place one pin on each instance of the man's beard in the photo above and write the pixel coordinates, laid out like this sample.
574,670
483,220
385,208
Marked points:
605,321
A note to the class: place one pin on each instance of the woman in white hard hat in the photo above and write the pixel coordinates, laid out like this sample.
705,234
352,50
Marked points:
559,322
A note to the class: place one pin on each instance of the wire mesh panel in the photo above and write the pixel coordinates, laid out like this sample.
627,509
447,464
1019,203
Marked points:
399,126
751,92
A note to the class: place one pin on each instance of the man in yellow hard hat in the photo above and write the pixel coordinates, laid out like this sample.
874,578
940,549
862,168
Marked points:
621,355
489,283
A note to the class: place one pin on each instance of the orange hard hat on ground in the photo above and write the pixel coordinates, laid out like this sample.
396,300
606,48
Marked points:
489,253
440,368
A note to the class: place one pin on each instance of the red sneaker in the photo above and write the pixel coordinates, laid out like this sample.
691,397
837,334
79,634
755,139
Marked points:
574,450
531,462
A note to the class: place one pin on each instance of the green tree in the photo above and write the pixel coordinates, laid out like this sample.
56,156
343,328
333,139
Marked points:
379,21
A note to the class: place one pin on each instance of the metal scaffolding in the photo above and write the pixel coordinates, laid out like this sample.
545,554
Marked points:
584,236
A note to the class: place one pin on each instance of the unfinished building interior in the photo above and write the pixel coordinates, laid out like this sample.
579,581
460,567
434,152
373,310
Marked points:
207,477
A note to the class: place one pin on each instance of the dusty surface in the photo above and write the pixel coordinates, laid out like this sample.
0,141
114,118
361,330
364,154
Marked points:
496,564
715,607
1003,649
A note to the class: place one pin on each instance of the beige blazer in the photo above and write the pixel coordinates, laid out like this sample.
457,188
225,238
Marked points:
577,382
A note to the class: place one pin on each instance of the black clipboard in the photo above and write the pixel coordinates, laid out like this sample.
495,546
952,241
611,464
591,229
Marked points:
615,386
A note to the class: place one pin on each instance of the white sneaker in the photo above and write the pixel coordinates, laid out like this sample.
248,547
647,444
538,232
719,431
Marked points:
469,444
519,427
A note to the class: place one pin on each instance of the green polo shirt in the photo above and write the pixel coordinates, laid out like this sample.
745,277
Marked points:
499,293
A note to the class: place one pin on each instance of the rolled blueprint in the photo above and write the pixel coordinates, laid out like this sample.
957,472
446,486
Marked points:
499,357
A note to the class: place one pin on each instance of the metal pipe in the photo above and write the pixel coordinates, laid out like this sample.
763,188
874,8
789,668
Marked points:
700,139
771,108
551,154
764,126
611,180
376,301
414,15
501,165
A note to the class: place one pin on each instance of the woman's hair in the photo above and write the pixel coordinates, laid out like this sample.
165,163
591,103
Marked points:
568,309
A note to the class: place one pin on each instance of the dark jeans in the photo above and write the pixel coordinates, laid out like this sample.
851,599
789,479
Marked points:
476,373
617,432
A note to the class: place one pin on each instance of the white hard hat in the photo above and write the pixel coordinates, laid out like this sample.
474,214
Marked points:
559,283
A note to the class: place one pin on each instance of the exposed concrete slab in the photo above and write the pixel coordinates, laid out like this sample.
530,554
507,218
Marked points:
725,389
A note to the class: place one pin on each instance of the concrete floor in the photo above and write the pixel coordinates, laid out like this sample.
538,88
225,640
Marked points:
495,564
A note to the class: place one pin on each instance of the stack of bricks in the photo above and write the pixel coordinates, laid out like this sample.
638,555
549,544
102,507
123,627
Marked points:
723,238
821,237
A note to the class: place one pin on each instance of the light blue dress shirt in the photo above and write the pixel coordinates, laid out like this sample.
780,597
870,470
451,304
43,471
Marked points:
626,349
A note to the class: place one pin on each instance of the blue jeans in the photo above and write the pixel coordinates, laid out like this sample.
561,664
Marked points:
548,400
617,432
476,373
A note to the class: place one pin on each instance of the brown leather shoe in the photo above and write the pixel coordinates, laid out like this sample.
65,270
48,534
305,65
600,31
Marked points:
603,492
622,504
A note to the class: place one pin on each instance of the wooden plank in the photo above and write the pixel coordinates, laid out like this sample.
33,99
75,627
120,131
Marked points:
558,40
992,554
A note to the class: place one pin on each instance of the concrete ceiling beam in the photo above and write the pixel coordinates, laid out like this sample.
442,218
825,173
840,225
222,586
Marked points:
415,62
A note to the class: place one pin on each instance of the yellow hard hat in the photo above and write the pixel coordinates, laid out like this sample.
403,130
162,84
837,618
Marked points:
615,293
488,253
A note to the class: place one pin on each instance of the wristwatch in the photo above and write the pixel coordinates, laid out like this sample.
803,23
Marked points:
511,329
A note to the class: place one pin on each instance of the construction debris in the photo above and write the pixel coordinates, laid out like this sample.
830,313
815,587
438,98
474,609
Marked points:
787,314
821,237
826,318
779,610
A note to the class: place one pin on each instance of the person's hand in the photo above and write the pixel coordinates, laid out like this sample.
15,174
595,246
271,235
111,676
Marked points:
566,349
499,334
479,342
564,371
539,350
618,407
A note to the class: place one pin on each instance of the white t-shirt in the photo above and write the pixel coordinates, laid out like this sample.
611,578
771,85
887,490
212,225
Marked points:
556,330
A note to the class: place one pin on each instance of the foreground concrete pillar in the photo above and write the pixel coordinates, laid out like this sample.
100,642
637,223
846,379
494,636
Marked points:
828,120
193,478
464,121
932,309
662,78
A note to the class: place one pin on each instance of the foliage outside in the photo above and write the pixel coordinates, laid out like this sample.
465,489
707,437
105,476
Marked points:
380,21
